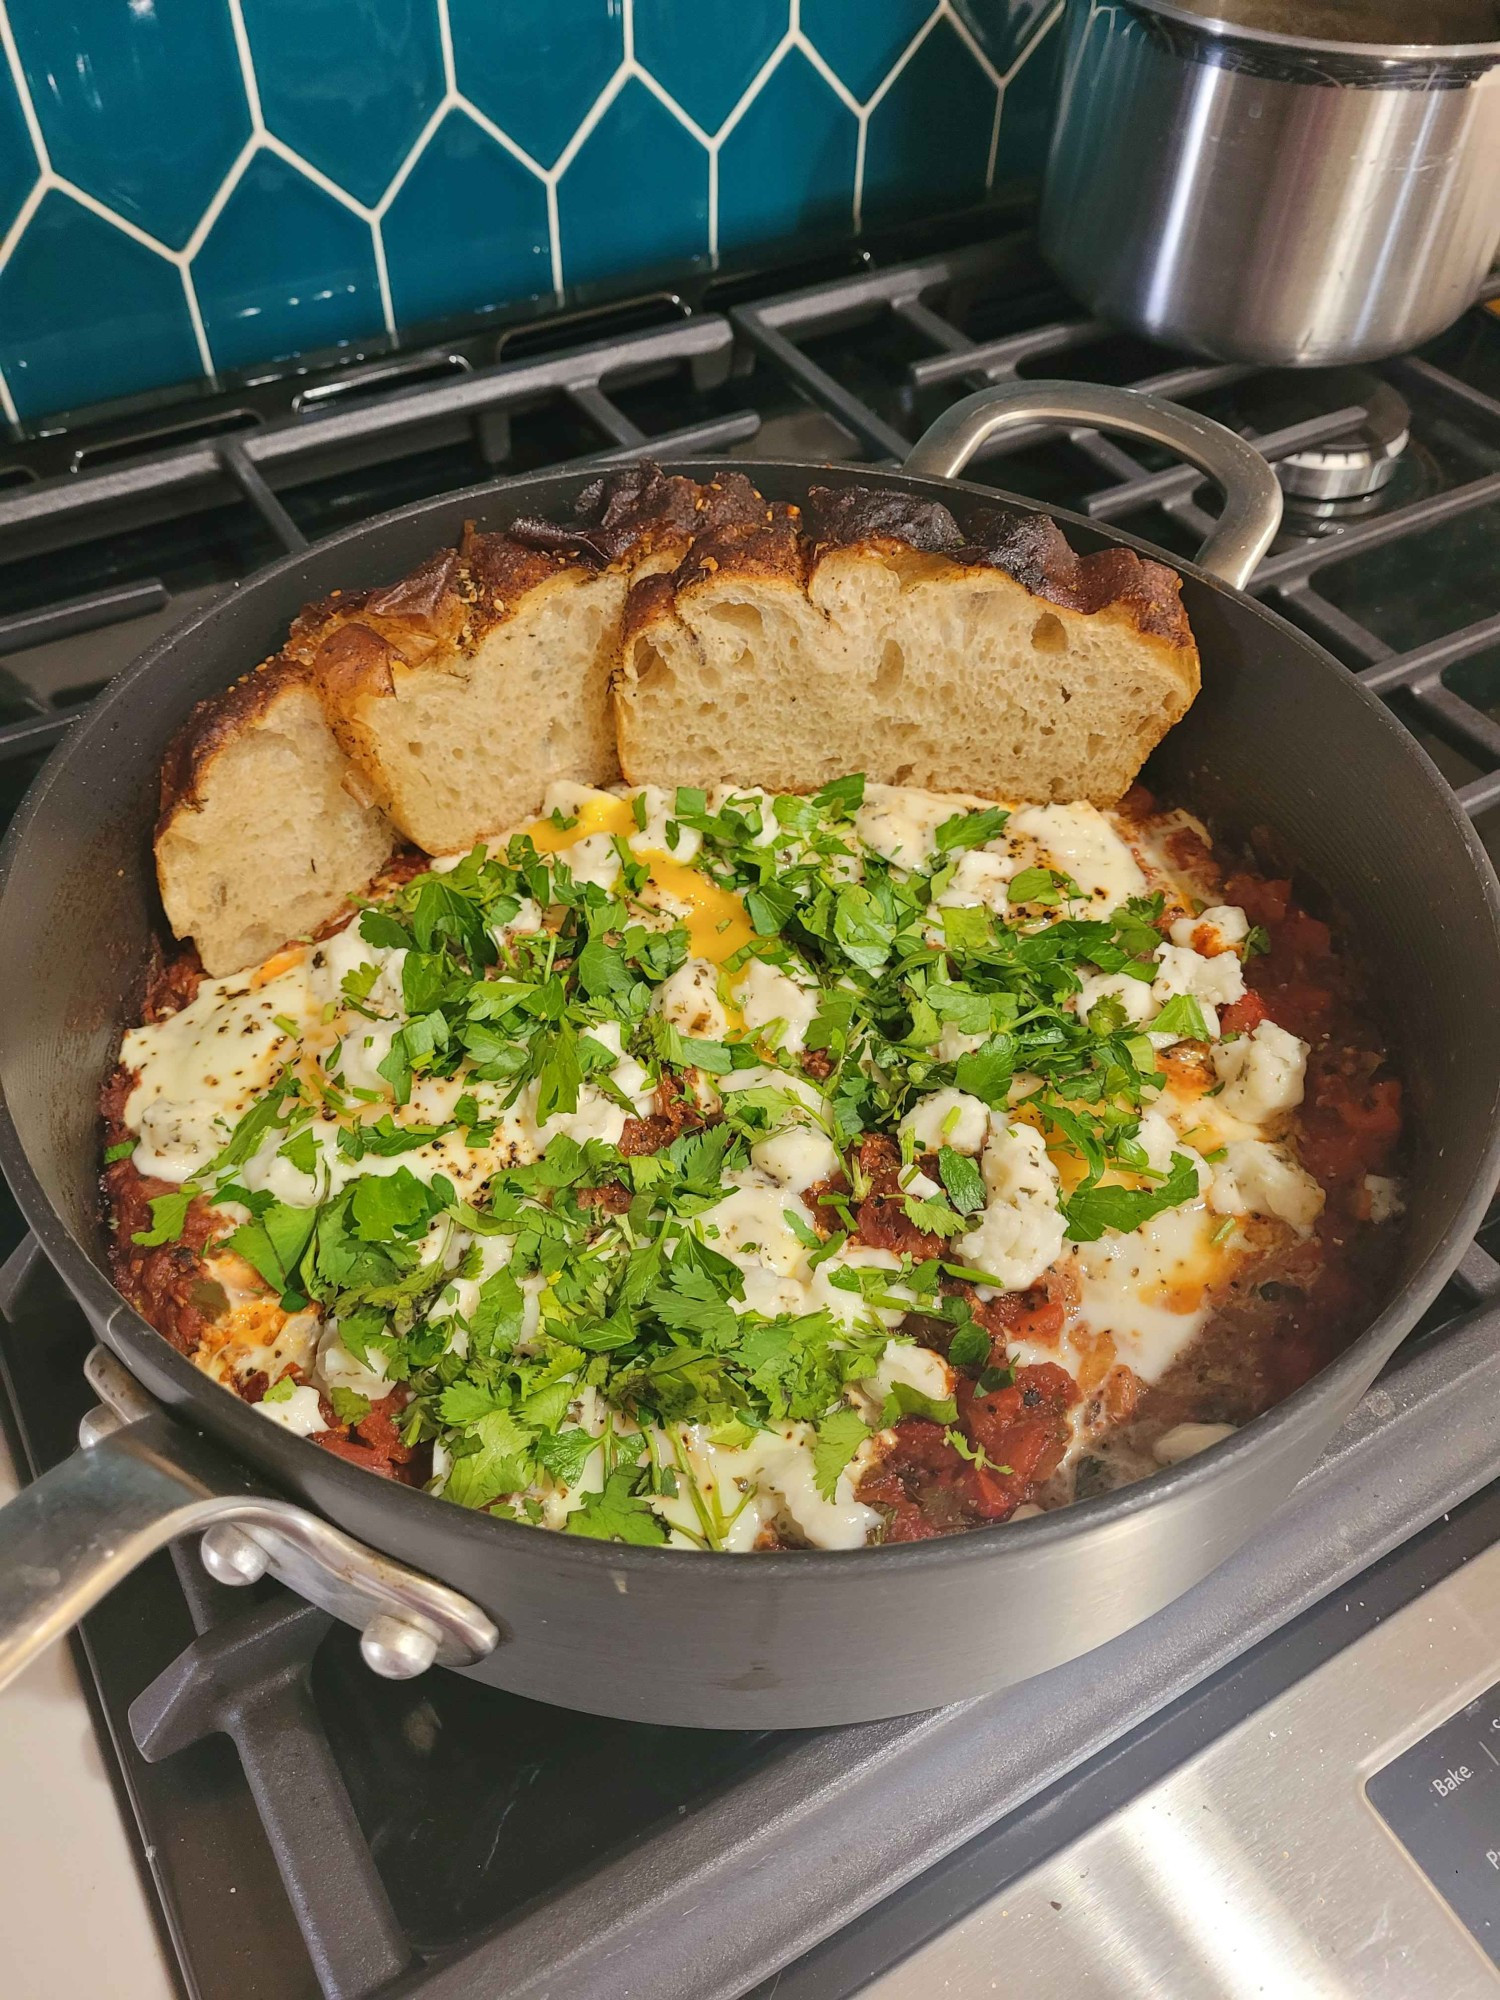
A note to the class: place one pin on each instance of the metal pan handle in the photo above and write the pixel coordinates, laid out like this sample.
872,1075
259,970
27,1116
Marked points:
140,1481
1252,498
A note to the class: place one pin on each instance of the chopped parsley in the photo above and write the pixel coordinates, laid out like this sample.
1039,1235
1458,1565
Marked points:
565,1326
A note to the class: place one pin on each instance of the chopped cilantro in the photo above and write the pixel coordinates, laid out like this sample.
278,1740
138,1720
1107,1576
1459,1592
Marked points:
839,1438
168,1216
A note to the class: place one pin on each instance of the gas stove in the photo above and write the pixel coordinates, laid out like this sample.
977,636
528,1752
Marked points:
1108,1824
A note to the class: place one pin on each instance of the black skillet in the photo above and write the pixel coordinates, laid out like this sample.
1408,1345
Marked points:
1280,737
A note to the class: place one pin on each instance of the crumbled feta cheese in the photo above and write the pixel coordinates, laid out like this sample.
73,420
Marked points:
917,1367
797,1156
1134,995
1262,1073
1212,982
978,880
301,1413
1215,930
1385,1197
592,859
1265,1180
1021,1231
953,1043
948,1118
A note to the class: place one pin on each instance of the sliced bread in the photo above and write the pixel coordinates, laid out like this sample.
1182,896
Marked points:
461,694
260,837
872,635
684,633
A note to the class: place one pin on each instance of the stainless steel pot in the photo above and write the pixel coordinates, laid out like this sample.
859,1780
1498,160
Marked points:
1268,197
1280,736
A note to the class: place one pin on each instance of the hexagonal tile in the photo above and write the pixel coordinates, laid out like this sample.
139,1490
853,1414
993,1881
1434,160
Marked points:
1027,107
927,143
349,94
787,168
285,269
468,228
709,69
859,43
635,196
1002,28
58,349
18,165
143,105
535,66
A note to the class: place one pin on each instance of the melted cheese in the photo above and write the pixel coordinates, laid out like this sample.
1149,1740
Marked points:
1151,1290
1079,841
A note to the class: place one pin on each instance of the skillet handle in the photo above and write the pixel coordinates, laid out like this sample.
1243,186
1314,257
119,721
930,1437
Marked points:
1252,498
141,1481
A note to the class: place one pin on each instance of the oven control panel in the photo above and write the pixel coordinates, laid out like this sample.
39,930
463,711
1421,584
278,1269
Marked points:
1441,1799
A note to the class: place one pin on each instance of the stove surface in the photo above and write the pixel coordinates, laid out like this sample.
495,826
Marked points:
488,1845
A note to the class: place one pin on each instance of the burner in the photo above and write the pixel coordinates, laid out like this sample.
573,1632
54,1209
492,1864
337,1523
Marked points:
1362,460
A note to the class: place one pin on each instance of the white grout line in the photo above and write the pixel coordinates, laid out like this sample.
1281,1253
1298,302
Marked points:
23,90
1036,41
903,59
554,236
994,152
754,88
221,195
971,40
417,148
669,103
501,137
271,144
627,29
247,64
106,214
591,118
830,76
445,37
7,401
41,186
382,275
200,331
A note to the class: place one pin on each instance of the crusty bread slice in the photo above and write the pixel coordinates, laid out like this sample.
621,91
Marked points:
879,639
463,693
463,740
260,838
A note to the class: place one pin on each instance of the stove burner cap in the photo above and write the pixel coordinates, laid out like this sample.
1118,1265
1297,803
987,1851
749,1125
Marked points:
1363,459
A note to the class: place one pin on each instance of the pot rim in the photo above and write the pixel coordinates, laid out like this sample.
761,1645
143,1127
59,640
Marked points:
1213,28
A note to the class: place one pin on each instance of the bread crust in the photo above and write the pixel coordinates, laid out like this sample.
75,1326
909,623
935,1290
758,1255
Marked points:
1031,548
212,725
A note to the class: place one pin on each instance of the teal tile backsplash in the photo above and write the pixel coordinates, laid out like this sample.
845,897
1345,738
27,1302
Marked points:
196,186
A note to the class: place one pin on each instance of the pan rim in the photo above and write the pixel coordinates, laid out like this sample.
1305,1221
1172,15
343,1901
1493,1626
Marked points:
122,1324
